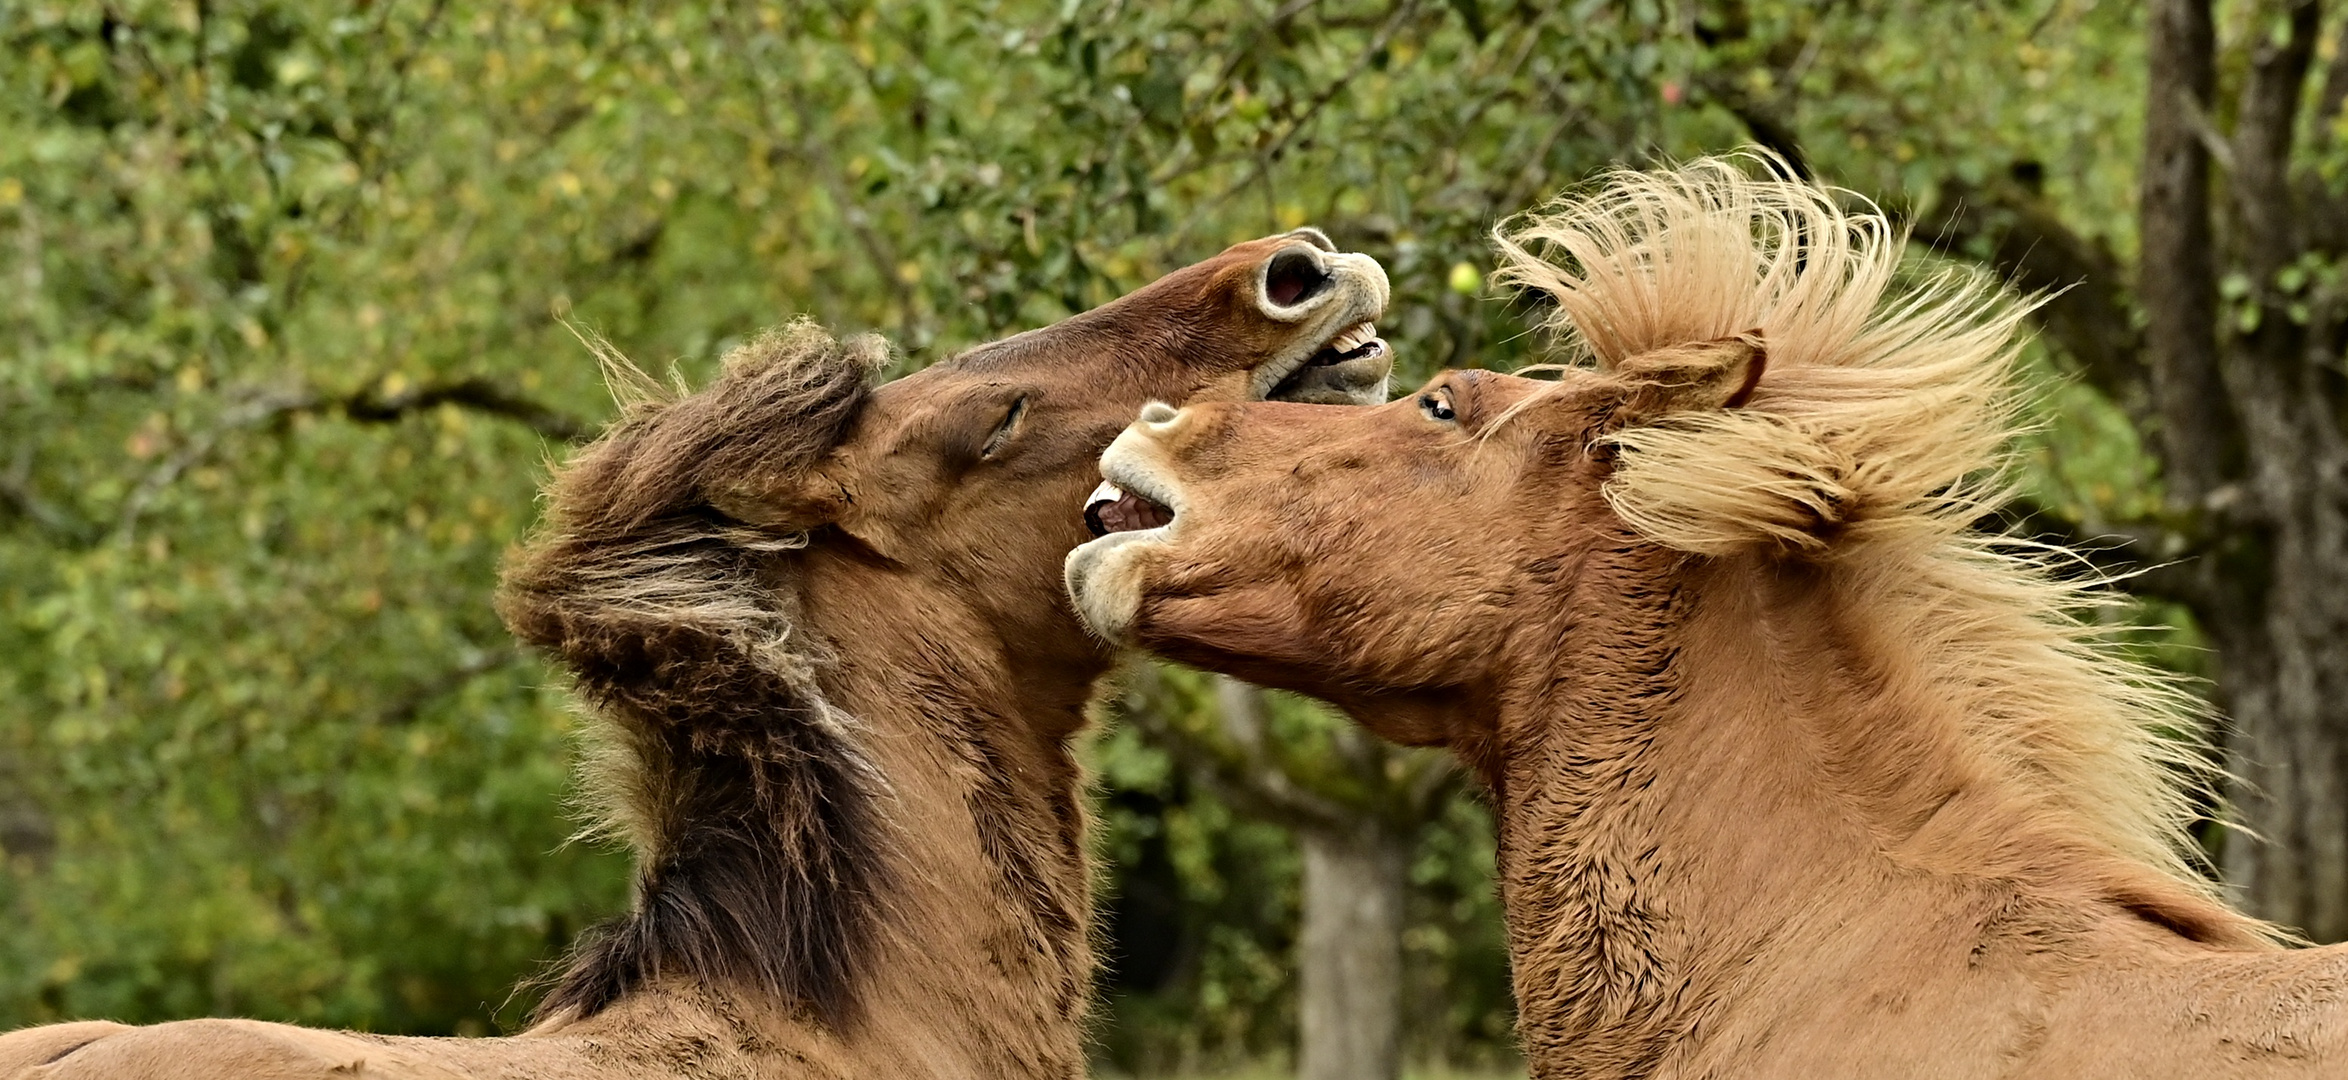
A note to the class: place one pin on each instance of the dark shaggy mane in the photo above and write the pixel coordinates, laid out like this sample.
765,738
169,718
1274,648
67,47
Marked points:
760,851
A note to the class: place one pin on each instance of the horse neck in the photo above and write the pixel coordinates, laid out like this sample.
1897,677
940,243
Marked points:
1678,794
987,956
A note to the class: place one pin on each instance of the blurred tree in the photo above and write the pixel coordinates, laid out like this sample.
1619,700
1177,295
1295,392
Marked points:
2246,318
1384,865
1357,807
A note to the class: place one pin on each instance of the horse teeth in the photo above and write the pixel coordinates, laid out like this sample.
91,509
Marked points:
1355,337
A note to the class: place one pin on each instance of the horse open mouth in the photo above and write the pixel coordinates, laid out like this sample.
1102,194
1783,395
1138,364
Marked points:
1358,344
1111,509
1359,341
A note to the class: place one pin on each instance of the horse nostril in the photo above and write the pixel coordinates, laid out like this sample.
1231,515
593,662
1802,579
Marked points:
1158,412
1293,277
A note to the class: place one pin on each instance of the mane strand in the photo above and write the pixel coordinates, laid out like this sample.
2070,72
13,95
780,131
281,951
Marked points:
1875,440
750,806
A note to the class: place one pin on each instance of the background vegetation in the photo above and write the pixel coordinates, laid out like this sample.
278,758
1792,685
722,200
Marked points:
281,365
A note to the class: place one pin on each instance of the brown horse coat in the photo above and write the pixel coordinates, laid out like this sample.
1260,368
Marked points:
1797,774
835,693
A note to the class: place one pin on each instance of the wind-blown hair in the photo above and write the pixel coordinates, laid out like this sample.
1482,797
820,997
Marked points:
1875,440
744,792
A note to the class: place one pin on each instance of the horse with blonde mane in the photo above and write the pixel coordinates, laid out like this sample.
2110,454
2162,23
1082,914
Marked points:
1797,773
813,621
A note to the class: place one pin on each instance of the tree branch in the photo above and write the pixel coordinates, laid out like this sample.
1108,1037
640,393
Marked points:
477,394
18,496
2012,228
1269,154
1762,123
2335,90
2155,558
2086,313
253,411
404,709
1262,790
2262,138
366,406
20,499
2178,273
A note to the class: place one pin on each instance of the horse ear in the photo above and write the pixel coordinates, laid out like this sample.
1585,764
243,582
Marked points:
792,504
1715,374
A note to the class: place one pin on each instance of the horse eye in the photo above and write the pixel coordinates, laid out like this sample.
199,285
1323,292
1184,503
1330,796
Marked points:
1437,406
1004,430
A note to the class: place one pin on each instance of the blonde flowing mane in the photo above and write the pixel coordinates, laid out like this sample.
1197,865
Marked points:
1877,437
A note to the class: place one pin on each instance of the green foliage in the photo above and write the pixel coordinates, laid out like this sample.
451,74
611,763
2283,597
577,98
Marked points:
1210,982
1914,101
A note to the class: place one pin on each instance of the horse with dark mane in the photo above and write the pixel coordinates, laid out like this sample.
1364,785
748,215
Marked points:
835,690
1798,773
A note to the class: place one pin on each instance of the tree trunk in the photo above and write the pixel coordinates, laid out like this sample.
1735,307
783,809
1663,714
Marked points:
25,829
1351,952
2282,644
2178,282
1356,806
2251,442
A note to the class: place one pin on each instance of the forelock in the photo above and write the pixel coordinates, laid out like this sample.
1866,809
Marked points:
782,400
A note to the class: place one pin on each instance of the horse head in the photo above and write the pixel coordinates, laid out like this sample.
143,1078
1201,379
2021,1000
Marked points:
719,567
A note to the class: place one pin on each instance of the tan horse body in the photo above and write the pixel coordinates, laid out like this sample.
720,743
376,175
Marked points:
836,695
1796,774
